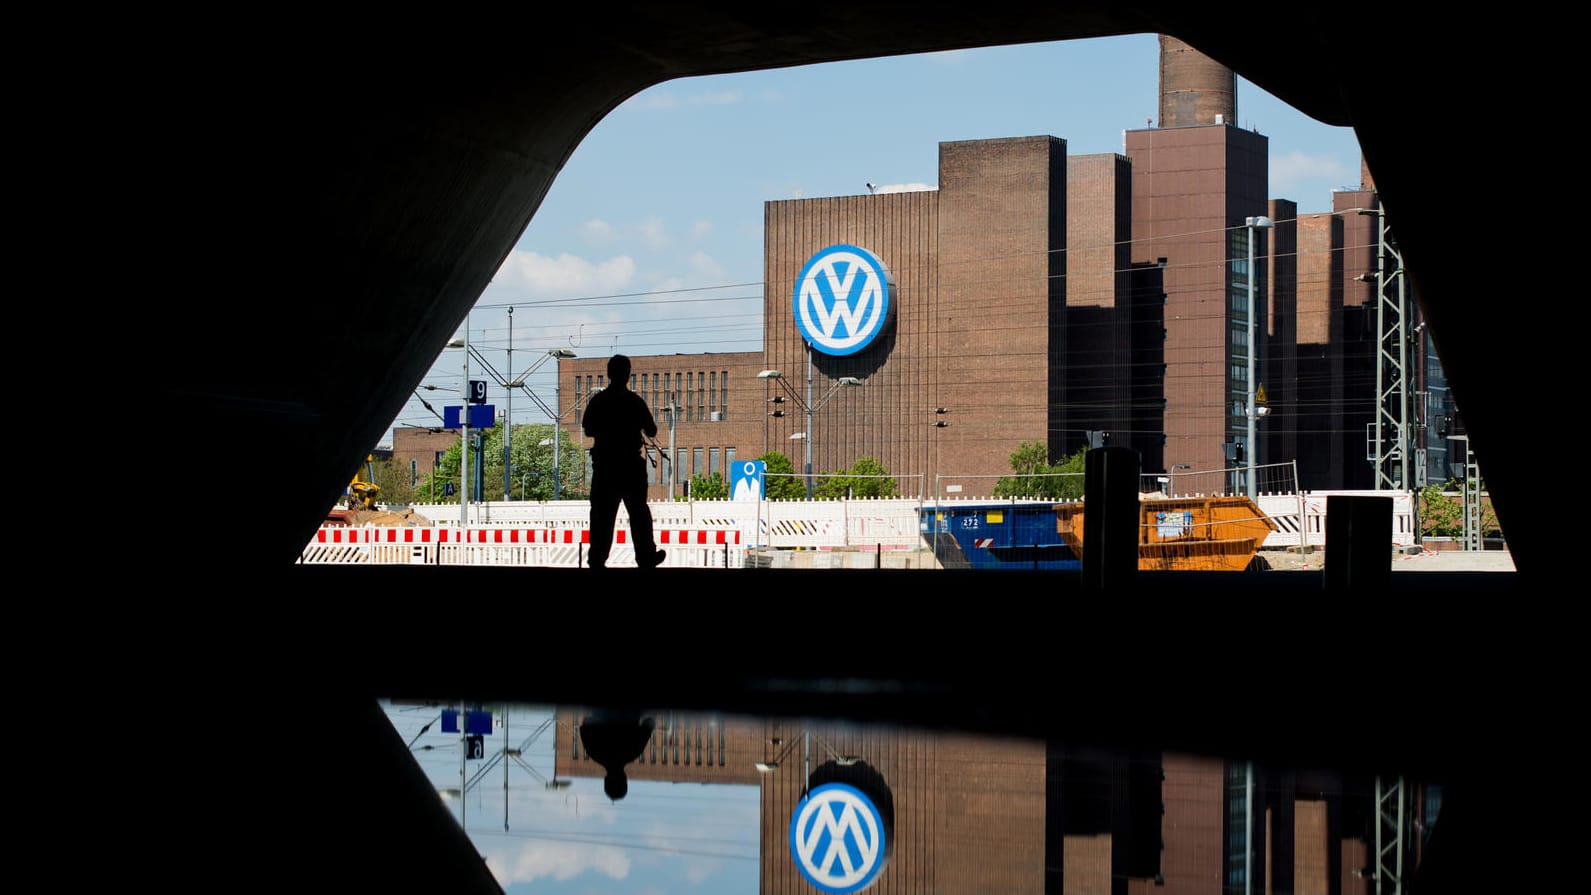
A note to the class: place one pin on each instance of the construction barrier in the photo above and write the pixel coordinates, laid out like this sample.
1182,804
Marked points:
500,546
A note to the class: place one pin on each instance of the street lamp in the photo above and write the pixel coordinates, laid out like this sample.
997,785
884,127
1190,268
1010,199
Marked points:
672,410
1250,409
808,406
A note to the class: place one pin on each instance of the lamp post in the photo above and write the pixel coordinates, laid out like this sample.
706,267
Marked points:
1250,410
673,473
808,406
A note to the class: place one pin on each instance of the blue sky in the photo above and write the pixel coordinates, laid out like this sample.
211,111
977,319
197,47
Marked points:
650,239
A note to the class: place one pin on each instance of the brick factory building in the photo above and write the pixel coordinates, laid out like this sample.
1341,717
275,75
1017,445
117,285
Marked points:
1039,296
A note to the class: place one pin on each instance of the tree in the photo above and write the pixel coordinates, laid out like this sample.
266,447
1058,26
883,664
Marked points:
531,462
866,478
1441,513
394,483
1035,476
708,487
781,481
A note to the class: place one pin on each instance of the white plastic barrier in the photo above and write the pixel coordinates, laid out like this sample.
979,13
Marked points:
863,524
1301,518
505,546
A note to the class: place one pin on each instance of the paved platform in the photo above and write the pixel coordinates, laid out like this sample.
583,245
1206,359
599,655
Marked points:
1455,561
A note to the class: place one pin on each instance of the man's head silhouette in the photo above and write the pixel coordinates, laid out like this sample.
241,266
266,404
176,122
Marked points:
619,369
613,739
616,784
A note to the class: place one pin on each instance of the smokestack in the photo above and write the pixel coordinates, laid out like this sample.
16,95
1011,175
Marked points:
1194,89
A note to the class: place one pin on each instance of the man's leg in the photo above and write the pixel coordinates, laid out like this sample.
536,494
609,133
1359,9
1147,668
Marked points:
646,553
604,514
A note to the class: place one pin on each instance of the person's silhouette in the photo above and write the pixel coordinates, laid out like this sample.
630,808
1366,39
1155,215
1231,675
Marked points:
613,739
617,420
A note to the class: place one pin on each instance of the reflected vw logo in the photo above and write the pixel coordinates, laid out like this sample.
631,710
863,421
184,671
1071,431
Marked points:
842,299
837,838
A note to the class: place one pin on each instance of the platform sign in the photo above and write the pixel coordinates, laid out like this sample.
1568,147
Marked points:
482,416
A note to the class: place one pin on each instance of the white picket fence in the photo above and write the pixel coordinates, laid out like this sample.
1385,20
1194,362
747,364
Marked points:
723,533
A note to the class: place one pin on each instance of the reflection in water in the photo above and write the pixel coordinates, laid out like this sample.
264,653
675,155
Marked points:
924,811
614,738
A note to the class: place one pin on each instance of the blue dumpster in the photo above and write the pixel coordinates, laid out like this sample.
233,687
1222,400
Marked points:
997,535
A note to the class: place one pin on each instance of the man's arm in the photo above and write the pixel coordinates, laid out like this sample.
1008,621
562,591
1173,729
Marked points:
592,415
650,426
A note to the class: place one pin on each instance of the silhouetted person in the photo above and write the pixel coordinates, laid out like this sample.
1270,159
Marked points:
618,420
613,739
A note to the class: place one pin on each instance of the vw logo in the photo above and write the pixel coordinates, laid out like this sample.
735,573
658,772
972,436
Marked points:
842,299
837,838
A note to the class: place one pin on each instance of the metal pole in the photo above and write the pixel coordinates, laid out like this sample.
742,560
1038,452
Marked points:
1405,429
808,439
1248,816
505,754
1248,446
508,419
557,436
673,474
1250,410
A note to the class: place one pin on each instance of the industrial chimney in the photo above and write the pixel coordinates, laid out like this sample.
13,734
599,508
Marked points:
1194,89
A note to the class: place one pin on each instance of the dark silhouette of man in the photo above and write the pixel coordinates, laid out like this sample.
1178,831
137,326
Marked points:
618,420
614,738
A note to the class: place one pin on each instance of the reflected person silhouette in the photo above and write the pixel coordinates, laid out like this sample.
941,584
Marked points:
614,738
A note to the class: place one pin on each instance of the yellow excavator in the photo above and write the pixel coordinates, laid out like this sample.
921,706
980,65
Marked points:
363,490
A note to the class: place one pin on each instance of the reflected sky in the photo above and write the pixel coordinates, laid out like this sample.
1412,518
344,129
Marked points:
564,835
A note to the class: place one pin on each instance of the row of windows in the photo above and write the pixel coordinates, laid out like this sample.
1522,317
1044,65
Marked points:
675,743
699,396
691,462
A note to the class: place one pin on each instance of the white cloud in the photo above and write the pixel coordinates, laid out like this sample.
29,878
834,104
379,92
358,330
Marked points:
555,860
1294,168
703,264
665,100
564,276
699,230
596,231
903,188
720,98
654,233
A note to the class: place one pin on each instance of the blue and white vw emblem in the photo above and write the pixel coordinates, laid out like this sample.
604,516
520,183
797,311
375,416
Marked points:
837,838
842,299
